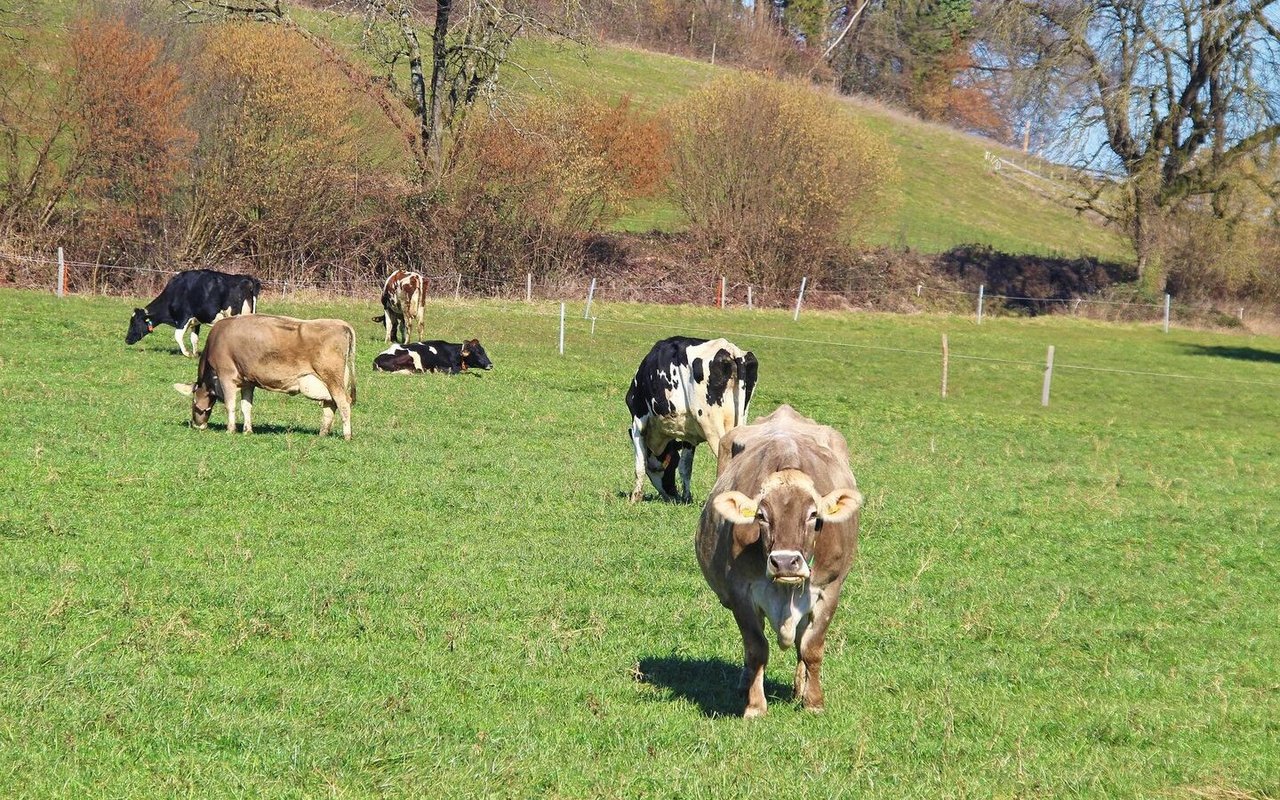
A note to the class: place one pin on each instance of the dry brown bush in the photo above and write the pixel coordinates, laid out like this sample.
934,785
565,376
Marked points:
524,190
274,176
1208,258
774,179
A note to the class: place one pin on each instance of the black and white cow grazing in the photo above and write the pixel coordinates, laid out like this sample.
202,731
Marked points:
194,297
433,356
686,391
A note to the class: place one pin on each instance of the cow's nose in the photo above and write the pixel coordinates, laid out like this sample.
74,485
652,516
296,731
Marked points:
787,563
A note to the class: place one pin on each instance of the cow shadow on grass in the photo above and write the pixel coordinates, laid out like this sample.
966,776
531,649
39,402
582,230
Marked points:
1239,353
710,683
267,429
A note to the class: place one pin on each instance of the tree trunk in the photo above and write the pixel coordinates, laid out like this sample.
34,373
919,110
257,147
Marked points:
439,53
417,82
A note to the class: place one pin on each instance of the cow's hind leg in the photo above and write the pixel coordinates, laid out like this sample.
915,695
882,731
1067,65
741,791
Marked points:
387,321
246,408
344,410
755,656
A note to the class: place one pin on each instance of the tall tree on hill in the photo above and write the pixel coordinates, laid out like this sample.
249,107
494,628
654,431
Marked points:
1177,97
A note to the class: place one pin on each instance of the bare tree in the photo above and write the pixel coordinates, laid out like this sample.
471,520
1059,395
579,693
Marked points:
1176,97
470,45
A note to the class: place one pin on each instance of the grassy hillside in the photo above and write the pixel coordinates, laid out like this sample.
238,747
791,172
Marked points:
947,197
1077,601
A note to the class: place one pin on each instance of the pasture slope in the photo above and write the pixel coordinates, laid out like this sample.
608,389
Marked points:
1072,602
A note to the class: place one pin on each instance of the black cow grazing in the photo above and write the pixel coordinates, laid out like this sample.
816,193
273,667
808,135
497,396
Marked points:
433,357
194,297
686,391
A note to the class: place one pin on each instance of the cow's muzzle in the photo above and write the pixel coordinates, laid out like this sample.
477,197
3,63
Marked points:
787,567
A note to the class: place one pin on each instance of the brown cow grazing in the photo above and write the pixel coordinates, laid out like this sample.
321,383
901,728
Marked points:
402,300
280,354
776,540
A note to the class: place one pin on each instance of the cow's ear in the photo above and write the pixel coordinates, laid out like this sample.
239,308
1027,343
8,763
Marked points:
188,389
839,505
735,507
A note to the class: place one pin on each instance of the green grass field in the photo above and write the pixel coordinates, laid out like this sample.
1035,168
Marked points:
1079,601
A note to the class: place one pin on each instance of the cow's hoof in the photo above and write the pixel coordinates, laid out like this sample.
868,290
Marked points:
751,712
636,497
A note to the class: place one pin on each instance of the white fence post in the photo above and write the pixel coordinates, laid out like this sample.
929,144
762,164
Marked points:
528,287
722,287
981,292
1048,378
1166,312
457,289
562,329
62,274
946,356
749,303
591,293
800,298
919,289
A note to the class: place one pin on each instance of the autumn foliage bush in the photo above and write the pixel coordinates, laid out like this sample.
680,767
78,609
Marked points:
774,179
524,189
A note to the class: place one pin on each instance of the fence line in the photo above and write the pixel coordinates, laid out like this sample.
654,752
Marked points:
521,310
562,289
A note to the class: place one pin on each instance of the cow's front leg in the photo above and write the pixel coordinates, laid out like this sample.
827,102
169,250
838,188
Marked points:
195,336
812,638
326,420
180,334
637,439
231,393
755,657
386,320
246,408
686,473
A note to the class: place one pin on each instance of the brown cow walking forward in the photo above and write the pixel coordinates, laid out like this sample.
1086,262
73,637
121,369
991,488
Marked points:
402,304
776,540
280,354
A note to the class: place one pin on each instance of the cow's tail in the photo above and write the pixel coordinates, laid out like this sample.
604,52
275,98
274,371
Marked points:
350,368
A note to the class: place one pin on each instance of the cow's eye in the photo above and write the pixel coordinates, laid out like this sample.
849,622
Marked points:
761,518
813,515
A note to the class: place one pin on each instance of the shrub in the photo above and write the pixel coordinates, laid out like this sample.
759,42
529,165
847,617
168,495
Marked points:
773,178
523,190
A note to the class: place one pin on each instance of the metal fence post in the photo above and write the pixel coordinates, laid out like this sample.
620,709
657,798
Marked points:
1048,378
591,293
800,298
562,329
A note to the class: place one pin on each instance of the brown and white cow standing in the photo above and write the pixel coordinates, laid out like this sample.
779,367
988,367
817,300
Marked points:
776,540
280,354
402,303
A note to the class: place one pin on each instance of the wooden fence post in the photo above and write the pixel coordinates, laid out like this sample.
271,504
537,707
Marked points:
1166,313
562,329
62,274
981,292
528,287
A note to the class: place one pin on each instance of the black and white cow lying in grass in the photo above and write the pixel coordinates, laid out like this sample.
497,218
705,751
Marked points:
434,356
194,297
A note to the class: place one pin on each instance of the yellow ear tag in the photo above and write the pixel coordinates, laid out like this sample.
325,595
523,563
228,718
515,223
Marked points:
748,512
833,509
